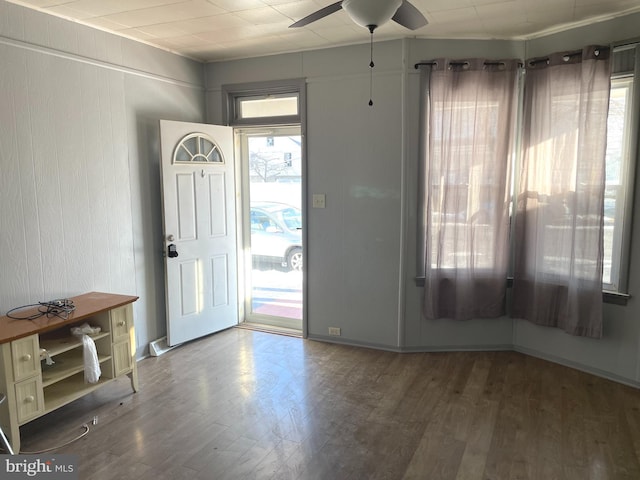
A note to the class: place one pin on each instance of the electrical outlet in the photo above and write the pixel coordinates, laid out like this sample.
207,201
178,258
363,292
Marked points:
334,331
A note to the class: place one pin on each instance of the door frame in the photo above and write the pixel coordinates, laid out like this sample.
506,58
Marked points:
230,116
241,136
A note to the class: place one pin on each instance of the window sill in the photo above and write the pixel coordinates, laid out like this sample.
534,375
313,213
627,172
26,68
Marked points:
614,298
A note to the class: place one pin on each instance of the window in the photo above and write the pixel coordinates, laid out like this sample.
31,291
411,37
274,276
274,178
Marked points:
197,148
267,106
466,190
617,174
470,119
280,102
622,148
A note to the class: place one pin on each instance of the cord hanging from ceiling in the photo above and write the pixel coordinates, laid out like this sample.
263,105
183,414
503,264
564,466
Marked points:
371,65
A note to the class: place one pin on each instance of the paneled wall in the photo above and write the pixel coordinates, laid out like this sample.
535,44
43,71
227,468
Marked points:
355,157
79,170
65,196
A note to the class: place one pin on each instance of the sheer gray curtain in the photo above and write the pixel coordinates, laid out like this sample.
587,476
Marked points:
470,119
559,213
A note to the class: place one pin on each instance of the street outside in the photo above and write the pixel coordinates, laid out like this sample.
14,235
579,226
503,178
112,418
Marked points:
277,292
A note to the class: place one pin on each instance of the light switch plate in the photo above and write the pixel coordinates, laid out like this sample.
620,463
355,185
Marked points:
319,200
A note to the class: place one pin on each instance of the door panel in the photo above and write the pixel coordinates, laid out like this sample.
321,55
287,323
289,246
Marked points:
217,206
186,206
220,270
188,287
199,229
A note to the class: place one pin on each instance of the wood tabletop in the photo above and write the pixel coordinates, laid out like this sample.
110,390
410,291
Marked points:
86,305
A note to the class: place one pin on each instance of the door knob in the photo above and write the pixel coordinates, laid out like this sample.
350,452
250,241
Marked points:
170,238
172,252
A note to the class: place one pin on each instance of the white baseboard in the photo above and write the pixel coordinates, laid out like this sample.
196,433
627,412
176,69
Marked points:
577,366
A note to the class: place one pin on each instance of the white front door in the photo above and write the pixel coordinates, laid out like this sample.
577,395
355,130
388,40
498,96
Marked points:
198,196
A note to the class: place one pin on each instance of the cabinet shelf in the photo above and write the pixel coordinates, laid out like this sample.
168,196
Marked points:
67,364
68,390
56,346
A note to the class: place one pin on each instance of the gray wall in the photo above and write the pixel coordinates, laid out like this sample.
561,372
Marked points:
79,181
355,157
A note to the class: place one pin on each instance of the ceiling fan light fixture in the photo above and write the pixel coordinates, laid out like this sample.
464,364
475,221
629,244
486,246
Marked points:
368,13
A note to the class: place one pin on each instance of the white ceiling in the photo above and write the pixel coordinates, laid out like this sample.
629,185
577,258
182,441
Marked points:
213,30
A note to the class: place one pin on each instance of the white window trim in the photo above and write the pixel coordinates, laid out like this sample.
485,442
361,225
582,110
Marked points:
630,176
231,93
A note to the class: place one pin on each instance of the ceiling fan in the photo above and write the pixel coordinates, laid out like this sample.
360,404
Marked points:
371,14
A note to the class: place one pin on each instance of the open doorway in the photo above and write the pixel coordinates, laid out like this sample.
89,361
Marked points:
269,125
271,162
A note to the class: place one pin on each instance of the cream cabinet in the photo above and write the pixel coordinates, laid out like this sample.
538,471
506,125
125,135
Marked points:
42,365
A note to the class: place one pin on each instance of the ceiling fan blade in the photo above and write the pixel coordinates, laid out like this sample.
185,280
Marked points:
323,12
409,16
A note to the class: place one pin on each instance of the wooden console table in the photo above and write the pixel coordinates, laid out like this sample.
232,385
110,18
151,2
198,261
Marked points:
34,388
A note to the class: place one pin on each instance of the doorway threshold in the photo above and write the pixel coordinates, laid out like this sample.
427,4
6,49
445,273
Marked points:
291,332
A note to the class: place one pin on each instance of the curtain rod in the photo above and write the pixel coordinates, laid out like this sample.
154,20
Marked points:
624,44
566,56
431,64
627,44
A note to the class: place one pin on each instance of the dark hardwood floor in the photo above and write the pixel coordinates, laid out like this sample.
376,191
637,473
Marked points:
251,405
